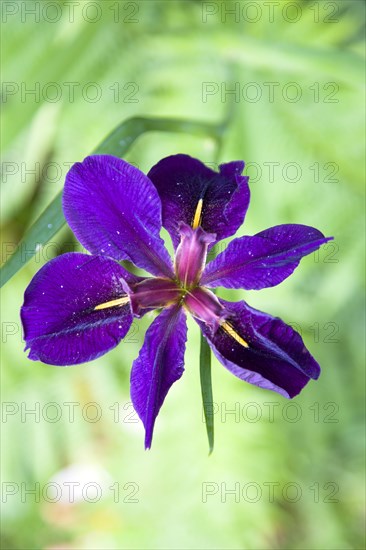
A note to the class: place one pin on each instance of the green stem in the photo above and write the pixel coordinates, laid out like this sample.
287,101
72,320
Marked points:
206,390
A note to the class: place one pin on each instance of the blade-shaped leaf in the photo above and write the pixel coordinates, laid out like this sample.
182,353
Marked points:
117,143
206,390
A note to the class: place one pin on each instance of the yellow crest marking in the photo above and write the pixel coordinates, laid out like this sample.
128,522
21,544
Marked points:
197,215
231,332
112,303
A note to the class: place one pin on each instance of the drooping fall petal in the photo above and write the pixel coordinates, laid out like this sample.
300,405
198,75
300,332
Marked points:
159,364
61,324
261,350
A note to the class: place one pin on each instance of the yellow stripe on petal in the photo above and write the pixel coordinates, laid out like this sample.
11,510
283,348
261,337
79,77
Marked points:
113,303
231,332
197,215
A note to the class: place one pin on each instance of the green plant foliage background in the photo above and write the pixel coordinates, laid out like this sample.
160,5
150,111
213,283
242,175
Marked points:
312,452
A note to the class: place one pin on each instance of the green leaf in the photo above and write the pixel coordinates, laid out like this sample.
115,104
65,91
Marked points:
206,390
117,143
43,229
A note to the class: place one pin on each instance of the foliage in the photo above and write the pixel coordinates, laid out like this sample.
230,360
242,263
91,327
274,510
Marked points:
165,61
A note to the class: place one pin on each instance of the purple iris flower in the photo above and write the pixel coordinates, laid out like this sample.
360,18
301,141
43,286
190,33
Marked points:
79,306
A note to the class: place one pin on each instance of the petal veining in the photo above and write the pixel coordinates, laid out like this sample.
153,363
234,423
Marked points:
159,364
115,210
194,194
275,356
62,321
263,260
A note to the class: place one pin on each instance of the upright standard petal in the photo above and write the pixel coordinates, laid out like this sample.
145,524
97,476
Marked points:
264,260
75,309
262,350
192,193
115,210
159,365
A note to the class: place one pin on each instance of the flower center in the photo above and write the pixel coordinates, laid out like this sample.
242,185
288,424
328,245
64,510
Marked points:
189,262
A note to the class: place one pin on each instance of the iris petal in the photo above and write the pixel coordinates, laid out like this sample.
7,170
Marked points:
264,260
276,357
115,210
61,324
159,365
182,182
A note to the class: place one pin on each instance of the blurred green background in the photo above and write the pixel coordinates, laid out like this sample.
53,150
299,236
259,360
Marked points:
283,474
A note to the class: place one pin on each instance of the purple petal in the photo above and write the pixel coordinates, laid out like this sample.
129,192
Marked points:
263,260
275,359
182,181
61,326
114,210
159,365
